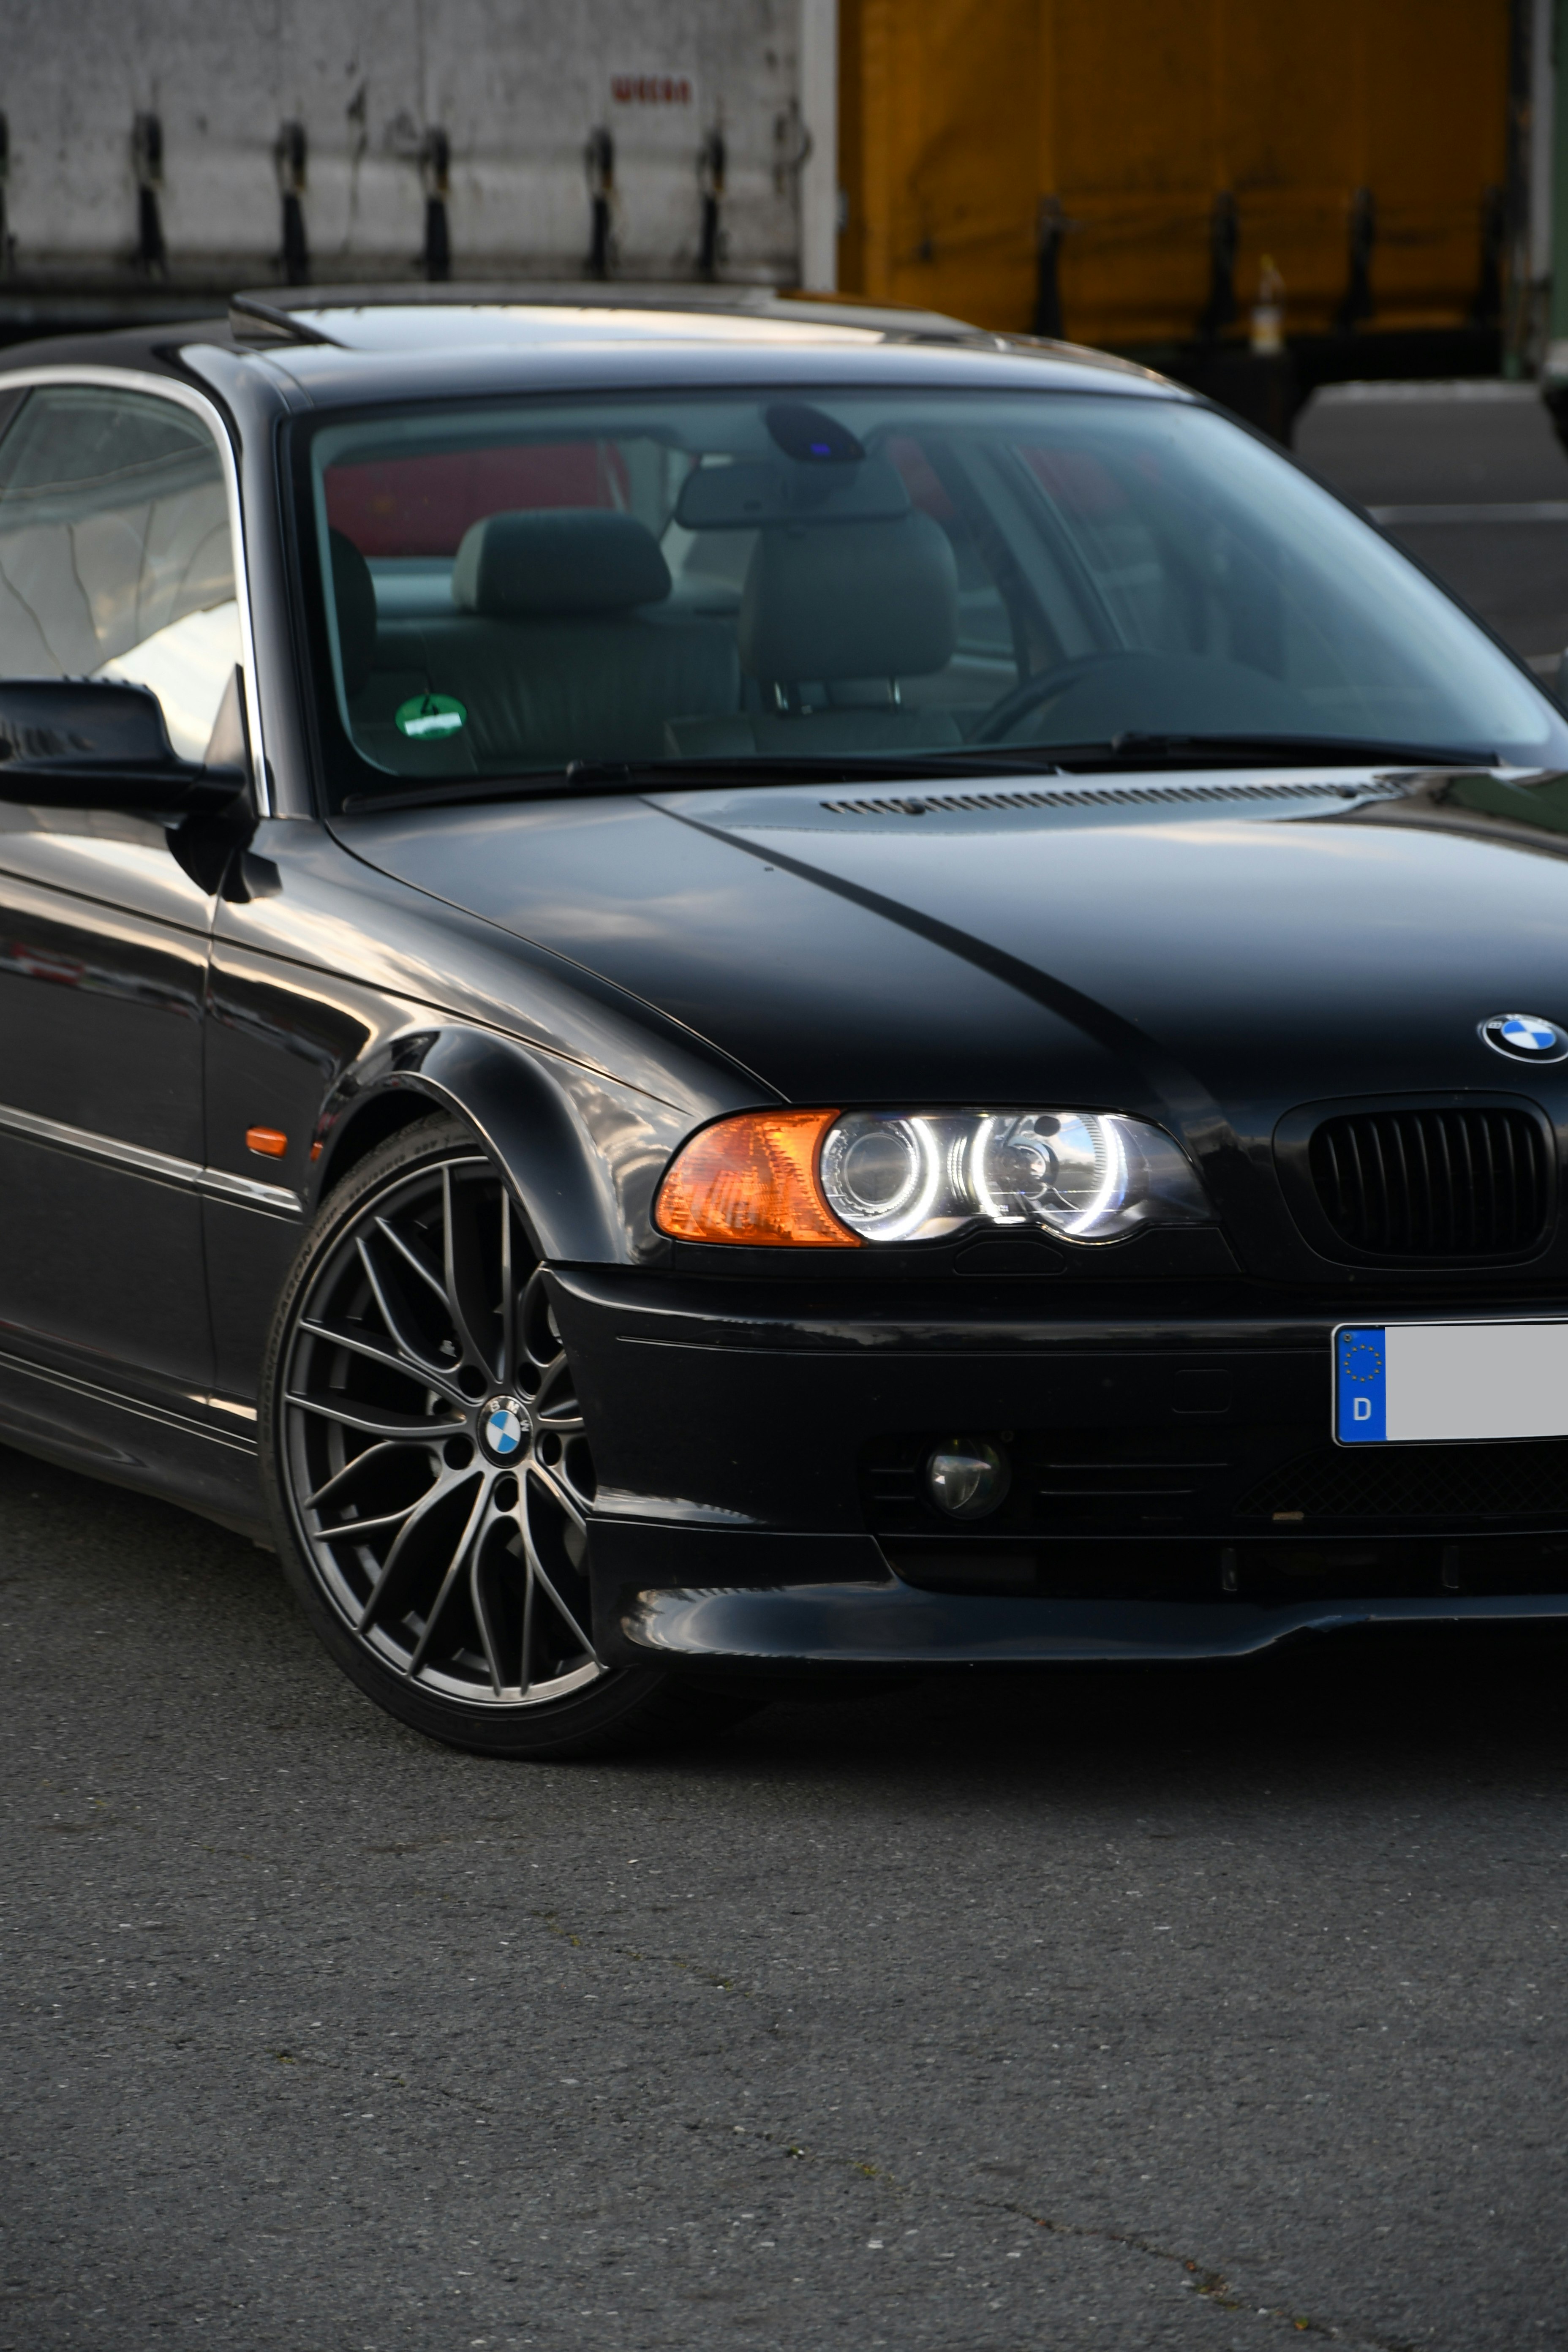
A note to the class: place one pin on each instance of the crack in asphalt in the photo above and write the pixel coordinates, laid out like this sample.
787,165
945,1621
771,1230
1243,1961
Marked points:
1209,2284
550,1922
1213,2285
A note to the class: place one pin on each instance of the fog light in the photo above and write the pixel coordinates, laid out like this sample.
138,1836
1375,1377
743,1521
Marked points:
967,1478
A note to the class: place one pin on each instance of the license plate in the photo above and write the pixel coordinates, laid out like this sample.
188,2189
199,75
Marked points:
1448,1383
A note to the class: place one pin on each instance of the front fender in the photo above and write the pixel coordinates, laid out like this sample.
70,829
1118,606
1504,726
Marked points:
582,1151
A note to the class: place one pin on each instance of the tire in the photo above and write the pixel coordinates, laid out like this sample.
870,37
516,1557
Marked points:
427,1468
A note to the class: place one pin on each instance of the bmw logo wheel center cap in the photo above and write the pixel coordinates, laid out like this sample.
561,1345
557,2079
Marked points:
1525,1037
503,1428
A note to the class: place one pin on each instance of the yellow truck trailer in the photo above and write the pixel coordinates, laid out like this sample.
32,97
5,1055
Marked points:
1124,171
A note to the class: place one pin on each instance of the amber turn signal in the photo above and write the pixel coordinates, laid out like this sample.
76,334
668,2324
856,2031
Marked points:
269,1141
752,1179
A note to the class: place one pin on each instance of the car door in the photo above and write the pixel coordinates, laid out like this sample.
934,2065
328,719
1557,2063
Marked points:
116,561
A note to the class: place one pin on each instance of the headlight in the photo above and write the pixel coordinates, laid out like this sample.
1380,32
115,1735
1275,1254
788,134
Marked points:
778,1178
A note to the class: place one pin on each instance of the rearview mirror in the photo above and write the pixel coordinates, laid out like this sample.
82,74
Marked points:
759,494
91,743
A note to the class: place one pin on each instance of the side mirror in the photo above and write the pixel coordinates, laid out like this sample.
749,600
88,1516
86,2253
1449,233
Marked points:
91,743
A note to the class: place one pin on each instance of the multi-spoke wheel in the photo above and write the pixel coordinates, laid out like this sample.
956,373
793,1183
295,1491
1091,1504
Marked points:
429,1463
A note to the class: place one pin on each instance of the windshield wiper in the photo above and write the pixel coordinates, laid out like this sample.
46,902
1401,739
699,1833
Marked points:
1124,752
1135,749
589,776
822,768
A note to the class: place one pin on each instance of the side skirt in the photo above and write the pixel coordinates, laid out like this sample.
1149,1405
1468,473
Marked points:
129,1442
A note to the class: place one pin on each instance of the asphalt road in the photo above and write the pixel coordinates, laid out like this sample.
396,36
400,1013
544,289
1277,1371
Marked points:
1114,2011
1004,2014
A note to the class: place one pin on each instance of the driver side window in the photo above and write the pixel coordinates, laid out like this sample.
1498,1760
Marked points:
115,553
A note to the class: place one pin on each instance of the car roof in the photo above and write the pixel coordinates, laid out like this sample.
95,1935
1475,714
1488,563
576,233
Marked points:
343,344
153,349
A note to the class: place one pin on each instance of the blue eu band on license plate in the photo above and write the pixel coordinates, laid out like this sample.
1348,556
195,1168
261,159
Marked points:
1449,1383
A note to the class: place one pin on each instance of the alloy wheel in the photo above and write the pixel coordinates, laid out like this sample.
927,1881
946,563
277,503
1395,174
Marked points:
436,1462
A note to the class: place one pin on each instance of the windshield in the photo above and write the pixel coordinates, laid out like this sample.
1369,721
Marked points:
507,590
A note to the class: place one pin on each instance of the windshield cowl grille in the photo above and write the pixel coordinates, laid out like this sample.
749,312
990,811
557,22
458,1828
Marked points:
1434,1183
1090,796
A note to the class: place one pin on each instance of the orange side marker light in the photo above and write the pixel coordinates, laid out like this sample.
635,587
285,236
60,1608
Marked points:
752,1180
269,1141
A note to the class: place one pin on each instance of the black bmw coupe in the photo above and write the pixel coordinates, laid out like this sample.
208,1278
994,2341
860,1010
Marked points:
692,990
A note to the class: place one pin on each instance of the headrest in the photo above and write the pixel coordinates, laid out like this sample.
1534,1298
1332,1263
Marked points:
558,560
354,592
859,600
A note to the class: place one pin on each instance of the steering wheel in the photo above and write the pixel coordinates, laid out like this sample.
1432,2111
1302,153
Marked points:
1021,700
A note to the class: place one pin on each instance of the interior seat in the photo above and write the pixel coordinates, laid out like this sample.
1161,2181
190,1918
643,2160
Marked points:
831,618
378,678
353,593
556,648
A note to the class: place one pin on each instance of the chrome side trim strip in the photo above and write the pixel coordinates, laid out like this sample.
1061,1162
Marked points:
159,1167
232,1441
277,1200
236,1406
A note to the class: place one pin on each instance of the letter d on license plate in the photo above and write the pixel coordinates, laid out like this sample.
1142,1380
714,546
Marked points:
1449,1383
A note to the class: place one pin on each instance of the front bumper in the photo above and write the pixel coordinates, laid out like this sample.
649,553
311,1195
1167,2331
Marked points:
887,1624
1176,1493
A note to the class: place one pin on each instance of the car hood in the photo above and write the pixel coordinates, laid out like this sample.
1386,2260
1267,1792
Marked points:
1208,950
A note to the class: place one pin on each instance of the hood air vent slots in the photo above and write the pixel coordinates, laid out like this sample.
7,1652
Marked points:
1094,796
1434,1183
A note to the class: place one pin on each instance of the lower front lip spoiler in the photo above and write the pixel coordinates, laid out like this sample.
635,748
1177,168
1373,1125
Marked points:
886,1624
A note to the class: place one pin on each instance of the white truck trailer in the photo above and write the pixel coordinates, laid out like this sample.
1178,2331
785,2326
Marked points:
157,154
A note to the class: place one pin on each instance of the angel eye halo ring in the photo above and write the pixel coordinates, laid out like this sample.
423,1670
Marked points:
844,1177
